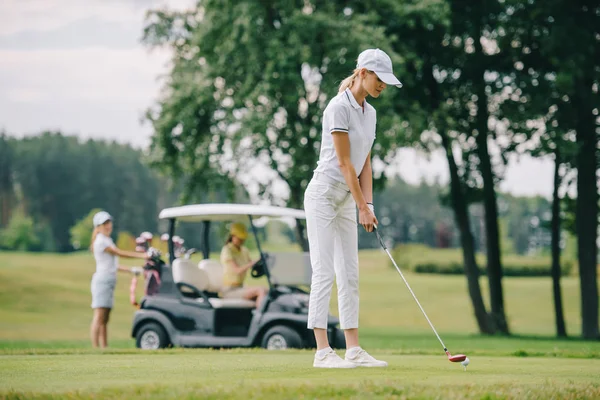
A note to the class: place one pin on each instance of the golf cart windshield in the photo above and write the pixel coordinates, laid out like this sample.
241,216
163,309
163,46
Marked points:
281,268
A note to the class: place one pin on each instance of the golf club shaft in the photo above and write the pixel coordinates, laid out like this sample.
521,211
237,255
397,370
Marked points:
408,286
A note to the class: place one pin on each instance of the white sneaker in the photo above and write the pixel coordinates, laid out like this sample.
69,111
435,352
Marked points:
363,359
331,360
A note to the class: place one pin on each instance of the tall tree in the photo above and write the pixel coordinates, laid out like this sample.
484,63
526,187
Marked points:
248,86
473,23
462,218
48,172
561,330
6,180
61,180
569,78
420,31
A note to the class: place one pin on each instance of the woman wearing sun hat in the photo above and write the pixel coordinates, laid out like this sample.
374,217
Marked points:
104,280
342,182
236,261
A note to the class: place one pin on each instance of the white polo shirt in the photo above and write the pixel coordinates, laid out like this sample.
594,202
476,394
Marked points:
344,114
106,264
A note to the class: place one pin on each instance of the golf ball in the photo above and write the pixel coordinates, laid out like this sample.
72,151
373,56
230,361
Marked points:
466,362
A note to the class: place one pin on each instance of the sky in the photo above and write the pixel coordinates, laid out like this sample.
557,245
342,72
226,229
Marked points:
79,67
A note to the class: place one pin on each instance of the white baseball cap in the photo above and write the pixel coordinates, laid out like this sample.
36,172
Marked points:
101,217
378,61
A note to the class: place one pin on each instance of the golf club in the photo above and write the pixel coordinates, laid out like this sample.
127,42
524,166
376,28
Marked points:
456,358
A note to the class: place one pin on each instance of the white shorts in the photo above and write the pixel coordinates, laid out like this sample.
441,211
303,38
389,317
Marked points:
103,290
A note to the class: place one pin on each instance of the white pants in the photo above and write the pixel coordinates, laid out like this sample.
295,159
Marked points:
333,243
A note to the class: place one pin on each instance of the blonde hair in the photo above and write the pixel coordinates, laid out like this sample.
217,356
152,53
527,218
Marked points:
349,81
94,234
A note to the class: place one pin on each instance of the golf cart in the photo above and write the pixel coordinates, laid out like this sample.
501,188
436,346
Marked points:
185,309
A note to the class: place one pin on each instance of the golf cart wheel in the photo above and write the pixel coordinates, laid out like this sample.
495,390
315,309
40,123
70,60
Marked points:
151,336
281,338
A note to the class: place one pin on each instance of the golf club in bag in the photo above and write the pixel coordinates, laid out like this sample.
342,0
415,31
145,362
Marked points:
456,358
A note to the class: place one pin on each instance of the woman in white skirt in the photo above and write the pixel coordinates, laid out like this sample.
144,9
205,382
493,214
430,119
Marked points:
342,182
105,279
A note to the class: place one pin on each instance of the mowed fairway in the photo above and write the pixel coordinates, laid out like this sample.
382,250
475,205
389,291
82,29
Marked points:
45,351
258,374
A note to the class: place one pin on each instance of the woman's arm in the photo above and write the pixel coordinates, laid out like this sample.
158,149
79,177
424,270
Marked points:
240,269
366,181
132,270
126,254
341,143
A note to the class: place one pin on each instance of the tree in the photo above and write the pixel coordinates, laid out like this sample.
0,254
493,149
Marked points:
561,330
248,86
565,80
461,216
528,84
48,172
6,179
421,31
61,179
472,24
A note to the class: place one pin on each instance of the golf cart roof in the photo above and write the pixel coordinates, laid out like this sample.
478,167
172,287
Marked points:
228,212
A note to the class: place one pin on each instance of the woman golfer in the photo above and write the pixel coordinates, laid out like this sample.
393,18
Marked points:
105,278
342,182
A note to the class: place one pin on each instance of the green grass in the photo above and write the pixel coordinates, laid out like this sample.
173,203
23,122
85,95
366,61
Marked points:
424,259
45,351
47,297
258,374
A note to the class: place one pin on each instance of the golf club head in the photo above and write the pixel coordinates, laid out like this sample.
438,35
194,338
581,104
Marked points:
457,358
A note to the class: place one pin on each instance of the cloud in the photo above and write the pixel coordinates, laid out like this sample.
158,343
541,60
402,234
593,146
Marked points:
41,15
91,73
82,33
91,92
88,85
77,66
44,15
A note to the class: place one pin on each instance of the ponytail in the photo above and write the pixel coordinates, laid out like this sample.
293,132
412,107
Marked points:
94,234
229,239
349,81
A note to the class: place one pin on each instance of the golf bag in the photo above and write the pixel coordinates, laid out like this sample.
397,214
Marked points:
152,271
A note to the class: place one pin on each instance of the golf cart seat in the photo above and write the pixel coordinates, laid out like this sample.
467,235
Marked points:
185,272
214,272
288,268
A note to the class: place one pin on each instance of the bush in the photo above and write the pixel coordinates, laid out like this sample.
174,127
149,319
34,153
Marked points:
125,241
81,232
420,258
160,245
20,234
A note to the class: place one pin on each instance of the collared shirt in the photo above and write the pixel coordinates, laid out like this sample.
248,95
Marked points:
106,263
344,114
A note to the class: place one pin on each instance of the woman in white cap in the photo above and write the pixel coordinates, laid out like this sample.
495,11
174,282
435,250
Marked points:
105,278
342,182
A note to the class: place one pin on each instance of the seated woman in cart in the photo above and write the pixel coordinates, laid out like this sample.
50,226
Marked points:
236,261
